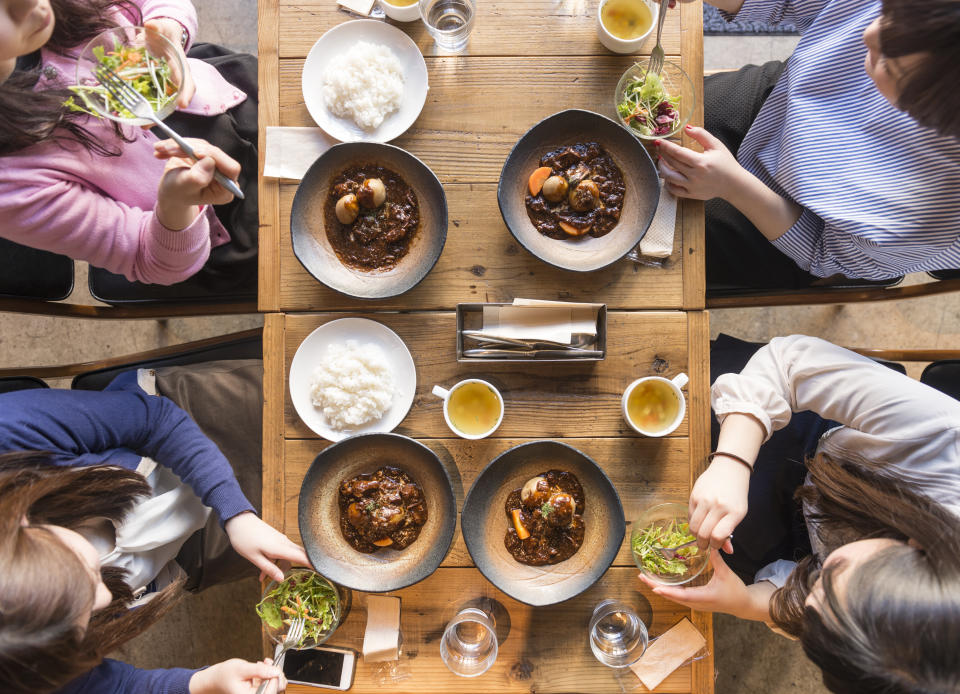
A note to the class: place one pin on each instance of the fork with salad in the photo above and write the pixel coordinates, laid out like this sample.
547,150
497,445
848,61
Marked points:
150,76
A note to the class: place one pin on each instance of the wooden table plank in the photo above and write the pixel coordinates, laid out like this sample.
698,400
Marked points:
268,41
700,417
503,27
541,650
644,472
523,93
482,262
691,211
541,400
274,394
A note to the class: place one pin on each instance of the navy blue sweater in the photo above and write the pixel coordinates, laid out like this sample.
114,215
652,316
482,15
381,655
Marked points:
117,427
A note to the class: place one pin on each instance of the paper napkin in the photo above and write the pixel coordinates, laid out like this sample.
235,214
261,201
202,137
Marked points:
658,241
671,650
381,640
291,151
529,319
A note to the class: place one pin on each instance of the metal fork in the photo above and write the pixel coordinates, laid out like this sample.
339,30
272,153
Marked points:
134,101
671,552
657,55
291,640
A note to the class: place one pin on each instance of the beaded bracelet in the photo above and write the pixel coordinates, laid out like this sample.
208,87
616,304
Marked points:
732,456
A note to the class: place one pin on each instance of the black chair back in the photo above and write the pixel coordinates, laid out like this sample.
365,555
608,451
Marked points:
14,383
117,290
944,376
242,348
28,273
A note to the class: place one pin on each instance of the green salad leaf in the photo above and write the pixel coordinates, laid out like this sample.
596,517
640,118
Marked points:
302,594
648,108
646,542
149,75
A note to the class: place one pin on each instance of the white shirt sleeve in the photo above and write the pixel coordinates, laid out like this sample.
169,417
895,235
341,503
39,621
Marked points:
888,419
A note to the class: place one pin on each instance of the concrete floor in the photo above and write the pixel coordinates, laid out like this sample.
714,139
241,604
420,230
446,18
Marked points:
220,624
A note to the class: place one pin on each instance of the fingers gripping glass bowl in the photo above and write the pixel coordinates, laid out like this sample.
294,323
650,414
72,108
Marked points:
666,526
655,108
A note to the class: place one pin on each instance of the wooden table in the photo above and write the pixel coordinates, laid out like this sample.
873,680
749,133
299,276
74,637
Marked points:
527,59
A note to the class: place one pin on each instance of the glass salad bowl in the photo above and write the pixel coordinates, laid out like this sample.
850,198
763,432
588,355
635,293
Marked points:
146,59
303,592
665,525
657,108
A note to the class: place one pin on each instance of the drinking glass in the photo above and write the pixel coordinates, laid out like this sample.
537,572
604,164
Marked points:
469,644
449,22
618,637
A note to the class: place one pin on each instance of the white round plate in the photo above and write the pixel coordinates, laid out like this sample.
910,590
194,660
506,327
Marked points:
363,331
338,41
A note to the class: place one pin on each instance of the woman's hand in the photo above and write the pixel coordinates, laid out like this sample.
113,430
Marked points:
699,175
725,592
186,184
173,31
718,502
236,676
255,540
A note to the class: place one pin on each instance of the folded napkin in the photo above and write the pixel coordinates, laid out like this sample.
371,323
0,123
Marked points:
360,7
658,241
530,319
671,650
291,151
381,640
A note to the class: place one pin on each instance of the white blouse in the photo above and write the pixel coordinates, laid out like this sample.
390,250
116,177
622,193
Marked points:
888,420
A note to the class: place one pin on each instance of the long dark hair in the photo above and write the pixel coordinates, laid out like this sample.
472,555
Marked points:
928,91
29,117
45,591
896,626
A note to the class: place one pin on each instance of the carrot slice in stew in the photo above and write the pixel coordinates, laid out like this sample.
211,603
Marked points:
522,532
537,178
572,230
385,542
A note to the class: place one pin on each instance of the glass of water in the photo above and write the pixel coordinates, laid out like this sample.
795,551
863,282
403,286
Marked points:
449,22
469,644
618,637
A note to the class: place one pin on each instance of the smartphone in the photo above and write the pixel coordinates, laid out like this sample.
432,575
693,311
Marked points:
326,668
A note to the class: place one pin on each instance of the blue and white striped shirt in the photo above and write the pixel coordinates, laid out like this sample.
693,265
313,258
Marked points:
881,194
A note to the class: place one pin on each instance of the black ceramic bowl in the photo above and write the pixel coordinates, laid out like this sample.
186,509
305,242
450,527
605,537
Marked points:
640,199
319,515
484,524
309,237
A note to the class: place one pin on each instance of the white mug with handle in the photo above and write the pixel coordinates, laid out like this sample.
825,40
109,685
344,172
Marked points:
674,385
446,394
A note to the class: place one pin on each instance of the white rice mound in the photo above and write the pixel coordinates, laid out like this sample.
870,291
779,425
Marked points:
364,84
352,385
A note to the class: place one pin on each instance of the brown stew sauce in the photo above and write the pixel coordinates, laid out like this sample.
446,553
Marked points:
554,537
386,507
575,163
379,238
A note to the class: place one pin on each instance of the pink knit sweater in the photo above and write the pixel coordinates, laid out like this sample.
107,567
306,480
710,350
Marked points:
101,209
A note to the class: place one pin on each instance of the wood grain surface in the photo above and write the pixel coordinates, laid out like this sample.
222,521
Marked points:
527,59
536,28
541,650
540,400
644,472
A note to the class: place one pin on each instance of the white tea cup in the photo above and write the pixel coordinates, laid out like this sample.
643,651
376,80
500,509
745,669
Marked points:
617,44
448,398
401,13
674,385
